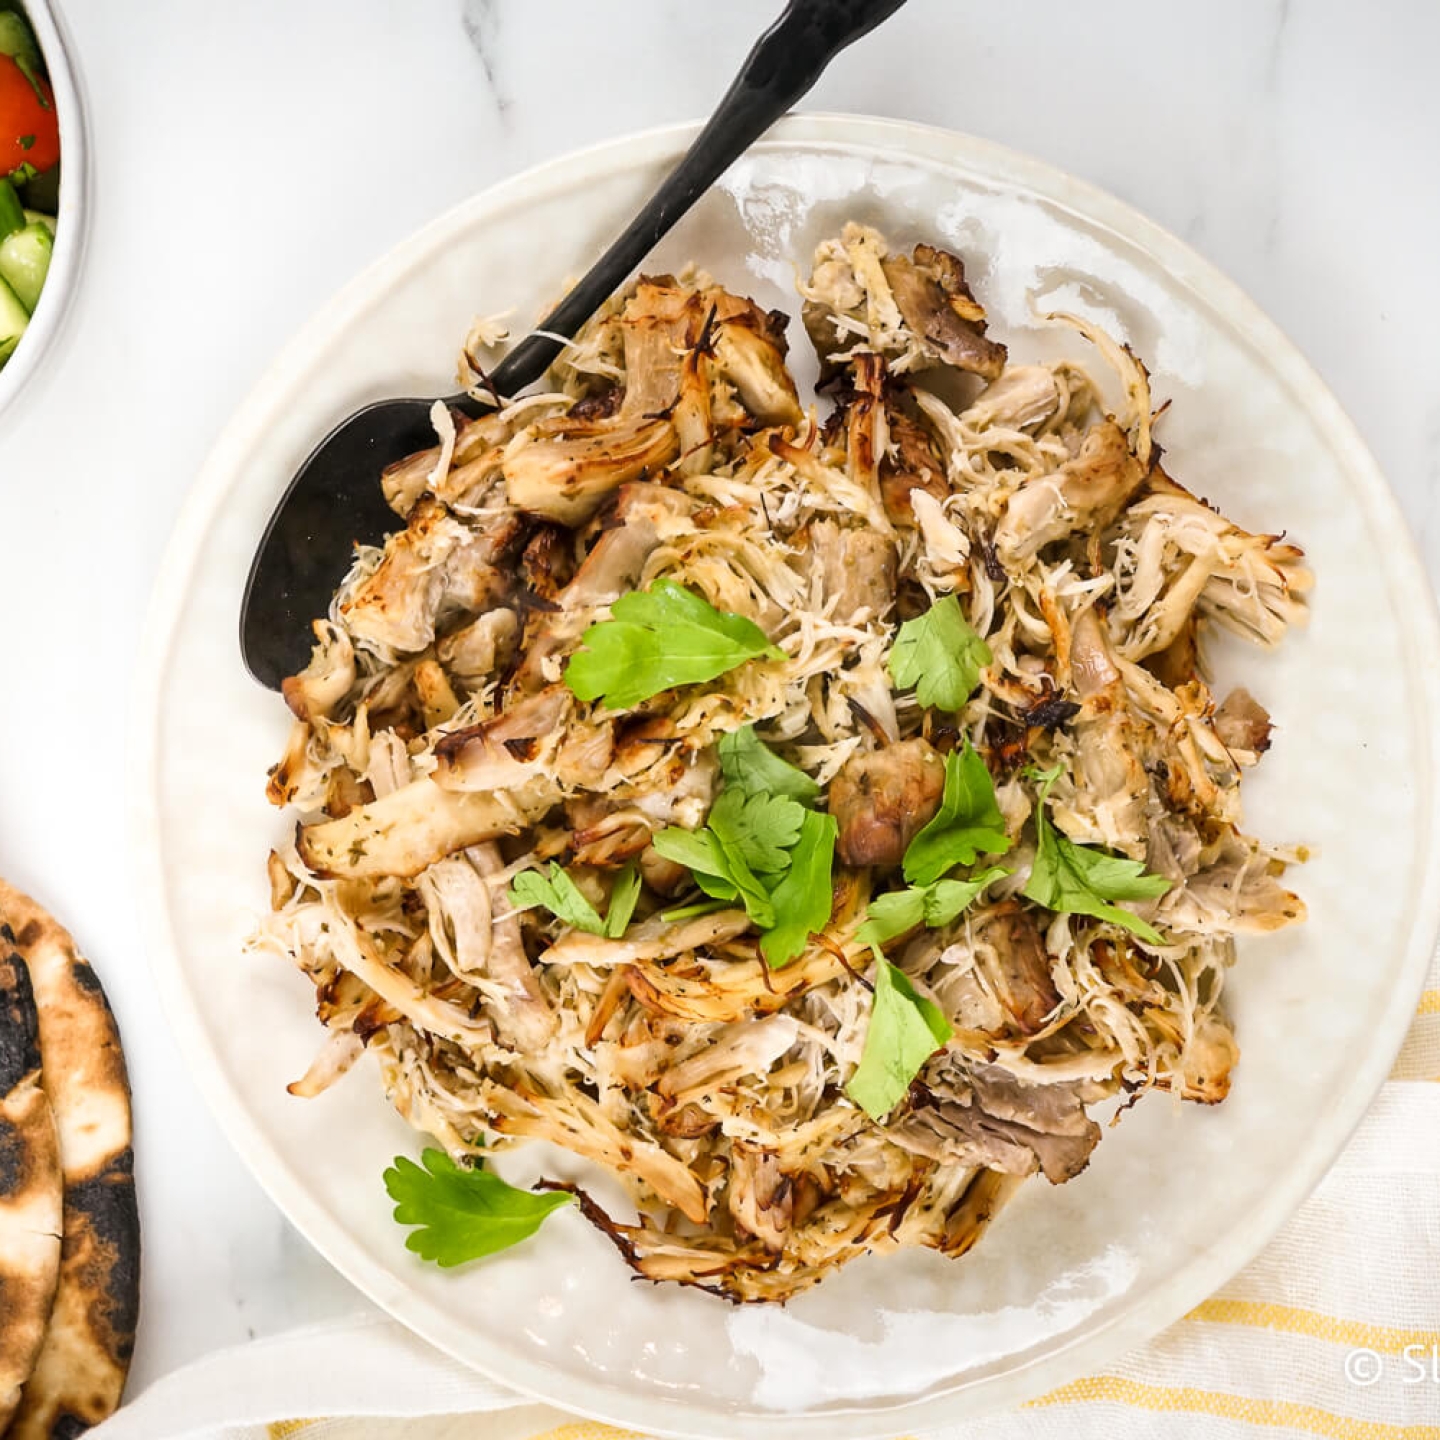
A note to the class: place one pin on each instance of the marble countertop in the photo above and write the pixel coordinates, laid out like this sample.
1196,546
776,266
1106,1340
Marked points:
249,159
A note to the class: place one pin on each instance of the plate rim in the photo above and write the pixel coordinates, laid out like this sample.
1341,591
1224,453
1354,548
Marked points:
1187,1285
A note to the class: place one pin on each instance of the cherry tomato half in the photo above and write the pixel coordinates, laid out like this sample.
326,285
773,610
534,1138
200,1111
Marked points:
29,134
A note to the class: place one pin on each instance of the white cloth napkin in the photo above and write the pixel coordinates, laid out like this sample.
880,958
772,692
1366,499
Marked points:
1334,1331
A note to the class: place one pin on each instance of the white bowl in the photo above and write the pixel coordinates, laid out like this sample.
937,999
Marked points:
73,218
1176,1198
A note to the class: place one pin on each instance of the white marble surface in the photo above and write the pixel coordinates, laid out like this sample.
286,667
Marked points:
250,158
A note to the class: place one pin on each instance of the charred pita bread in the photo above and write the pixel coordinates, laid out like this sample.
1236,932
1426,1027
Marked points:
29,1185
80,1372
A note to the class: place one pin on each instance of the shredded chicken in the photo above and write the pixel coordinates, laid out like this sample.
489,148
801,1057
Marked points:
436,751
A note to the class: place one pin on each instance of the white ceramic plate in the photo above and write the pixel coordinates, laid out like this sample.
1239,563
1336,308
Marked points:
1175,1200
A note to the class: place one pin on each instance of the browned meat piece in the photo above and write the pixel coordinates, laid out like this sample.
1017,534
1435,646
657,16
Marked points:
1020,970
612,567
1208,1060
538,734
1024,396
882,800
598,404
693,414
665,877
865,433
1179,662
618,556
660,322
857,571
1112,789
931,293
523,1013
988,1118
548,561
1173,847
1233,890
750,353
664,320
568,467
1087,492
611,842
327,679
910,464
403,832
482,648
762,1197
1092,667
437,567
406,480
1243,723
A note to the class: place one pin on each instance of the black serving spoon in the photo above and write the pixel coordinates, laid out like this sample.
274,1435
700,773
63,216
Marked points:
334,502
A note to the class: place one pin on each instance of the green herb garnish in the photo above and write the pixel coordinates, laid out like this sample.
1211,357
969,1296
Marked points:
905,1031
563,898
758,828
750,765
462,1214
659,638
623,895
761,846
933,905
722,874
692,912
1079,880
968,823
940,655
803,899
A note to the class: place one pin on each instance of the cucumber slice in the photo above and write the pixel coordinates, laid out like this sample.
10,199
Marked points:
13,320
16,40
38,217
24,263
12,213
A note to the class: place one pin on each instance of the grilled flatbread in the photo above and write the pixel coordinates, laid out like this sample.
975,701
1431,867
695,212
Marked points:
80,1373
29,1185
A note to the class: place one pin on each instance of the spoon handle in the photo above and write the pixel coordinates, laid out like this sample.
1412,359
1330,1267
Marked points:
786,61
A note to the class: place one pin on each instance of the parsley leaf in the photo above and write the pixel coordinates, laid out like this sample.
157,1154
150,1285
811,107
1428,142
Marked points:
1078,879
750,765
967,824
564,899
699,852
945,899
940,655
720,873
890,915
803,899
905,1031
462,1214
762,846
658,638
934,905
623,895
559,895
759,828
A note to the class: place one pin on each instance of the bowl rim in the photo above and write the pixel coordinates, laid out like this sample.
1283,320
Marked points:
1190,1283
72,220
